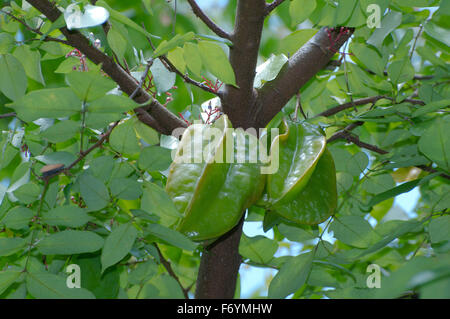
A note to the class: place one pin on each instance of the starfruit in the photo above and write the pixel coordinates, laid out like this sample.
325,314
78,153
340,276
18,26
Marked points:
304,188
210,187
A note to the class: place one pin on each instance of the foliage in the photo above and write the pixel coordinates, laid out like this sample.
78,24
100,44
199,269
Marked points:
382,103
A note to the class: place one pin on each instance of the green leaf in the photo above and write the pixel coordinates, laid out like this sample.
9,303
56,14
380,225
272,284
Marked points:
438,33
357,164
125,188
258,249
71,64
345,9
435,142
294,233
401,71
389,23
369,57
156,201
69,216
117,42
50,286
155,158
103,286
163,78
354,231
170,236
378,184
70,242
7,278
176,56
294,41
31,61
9,246
431,107
27,193
13,79
143,272
123,139
6,43
149,135
17,218
439,229
65,158
178,40
61,131
269,69
192,57
118,244
216,61
89,85
102,167
115,15
51,103
416,273
292,275
300,10
112,103
94,192
162,287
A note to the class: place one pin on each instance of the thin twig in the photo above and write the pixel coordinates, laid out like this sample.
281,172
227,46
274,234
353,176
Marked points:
366,100
141,82
6,115
355,140
169,269
346,134
169,66
34,30
83,154
415,41
418,77
206,20
298,106
271,6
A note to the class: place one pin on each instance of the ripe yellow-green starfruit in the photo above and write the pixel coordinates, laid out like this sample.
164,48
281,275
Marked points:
210,190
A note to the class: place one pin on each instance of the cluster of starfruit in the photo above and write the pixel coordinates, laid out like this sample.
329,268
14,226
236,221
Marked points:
215,177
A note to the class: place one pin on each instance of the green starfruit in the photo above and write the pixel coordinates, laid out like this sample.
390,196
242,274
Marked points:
299,147
213,179
304,188
317,200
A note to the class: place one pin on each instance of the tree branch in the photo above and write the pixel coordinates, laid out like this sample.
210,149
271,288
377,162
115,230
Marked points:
99,143
167,120
366,100
271,6
219,267
346,134
239,102
298,70
6,115
206,20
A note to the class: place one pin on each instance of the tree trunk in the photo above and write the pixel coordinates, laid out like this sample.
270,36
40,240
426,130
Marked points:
219,267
